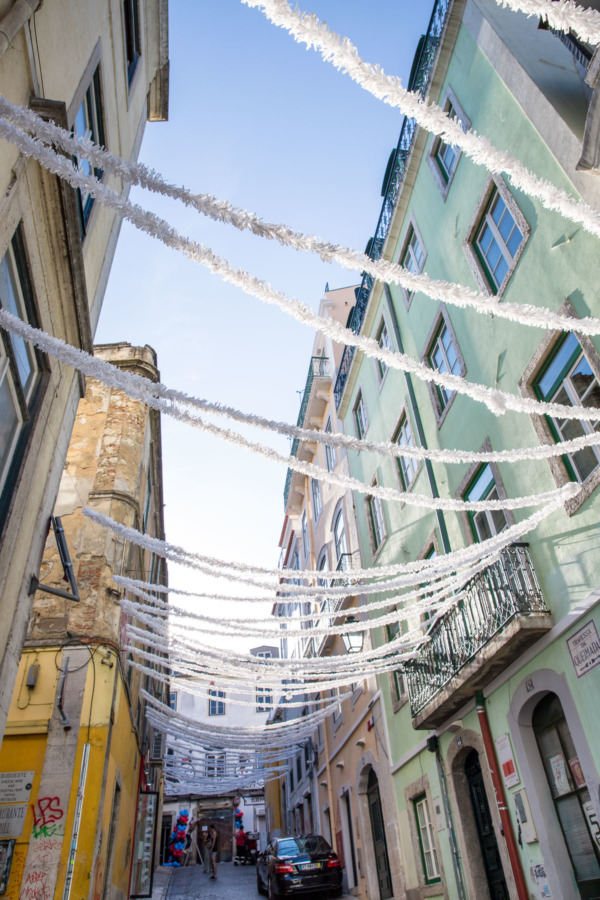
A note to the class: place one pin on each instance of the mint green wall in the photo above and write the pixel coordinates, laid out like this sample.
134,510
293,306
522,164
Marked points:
564,548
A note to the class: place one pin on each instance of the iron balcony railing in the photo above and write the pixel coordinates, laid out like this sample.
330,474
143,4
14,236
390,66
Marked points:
419,82
318,368
507,588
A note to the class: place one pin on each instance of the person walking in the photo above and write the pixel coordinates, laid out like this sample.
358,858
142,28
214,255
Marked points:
213,844
240,844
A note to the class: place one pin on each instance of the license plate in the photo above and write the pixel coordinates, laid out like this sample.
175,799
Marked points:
306,867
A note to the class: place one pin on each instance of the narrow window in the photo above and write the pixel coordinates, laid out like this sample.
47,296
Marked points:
216,703
568,379
413,256
489,522
443,357
316,499
377,521
305,541
498,240
133,45
20,368
429,859
88,126
496,237
383,339
444,157
408,466
361,418
340,539
330,452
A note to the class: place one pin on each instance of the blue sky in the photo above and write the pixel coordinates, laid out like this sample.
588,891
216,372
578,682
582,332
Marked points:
256,119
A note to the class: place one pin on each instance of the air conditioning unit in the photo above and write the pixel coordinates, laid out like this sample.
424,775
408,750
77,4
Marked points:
157,746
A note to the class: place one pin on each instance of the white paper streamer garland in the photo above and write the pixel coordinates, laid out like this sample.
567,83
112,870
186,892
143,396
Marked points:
343,55
434,566
498,402
563,15
166,400
224,211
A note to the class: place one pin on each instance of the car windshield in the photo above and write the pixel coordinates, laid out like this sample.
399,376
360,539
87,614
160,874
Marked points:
312,843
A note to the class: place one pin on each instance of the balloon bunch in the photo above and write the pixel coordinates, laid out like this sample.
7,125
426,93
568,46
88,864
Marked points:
177,840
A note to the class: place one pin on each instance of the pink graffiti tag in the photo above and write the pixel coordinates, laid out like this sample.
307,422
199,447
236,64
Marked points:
49,810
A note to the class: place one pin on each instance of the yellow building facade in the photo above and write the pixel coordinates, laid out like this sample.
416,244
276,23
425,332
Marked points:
77,761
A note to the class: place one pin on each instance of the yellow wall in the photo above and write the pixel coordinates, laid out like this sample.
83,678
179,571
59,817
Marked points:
105,723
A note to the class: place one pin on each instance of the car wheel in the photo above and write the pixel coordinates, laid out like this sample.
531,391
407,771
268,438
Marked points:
273,894
259,884
338,892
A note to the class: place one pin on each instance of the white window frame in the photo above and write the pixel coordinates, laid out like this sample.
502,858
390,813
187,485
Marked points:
305,539
443,174
382,336
494,186
408,466
427,842
361,416
216,703
413,255
377,526
317,500
330,451
441,398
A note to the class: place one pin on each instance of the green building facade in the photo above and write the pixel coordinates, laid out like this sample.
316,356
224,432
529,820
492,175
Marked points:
519,654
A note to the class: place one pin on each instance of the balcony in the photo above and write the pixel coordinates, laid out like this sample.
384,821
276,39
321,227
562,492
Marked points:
419,83
501,612
314,400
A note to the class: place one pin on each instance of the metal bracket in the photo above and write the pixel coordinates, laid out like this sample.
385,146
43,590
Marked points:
65,558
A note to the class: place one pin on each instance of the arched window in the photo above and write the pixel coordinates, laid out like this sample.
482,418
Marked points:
569,792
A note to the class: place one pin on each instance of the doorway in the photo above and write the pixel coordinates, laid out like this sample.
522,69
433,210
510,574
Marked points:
490,853
570,794
384,877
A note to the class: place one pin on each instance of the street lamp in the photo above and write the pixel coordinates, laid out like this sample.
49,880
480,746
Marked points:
353,640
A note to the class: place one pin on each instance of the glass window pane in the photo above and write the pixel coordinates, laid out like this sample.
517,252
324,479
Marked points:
514,241
546,384
10,423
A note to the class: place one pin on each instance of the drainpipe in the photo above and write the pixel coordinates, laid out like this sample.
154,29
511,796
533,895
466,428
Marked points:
329,788
417,417
10,25
511,844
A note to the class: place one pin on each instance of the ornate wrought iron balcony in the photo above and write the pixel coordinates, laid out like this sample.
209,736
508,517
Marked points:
419,82
501,612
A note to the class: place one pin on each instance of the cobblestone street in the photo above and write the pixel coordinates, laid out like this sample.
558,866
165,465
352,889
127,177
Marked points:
232,883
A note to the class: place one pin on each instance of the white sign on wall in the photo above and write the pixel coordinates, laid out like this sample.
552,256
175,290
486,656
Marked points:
15,787
506,760
12,820
584,647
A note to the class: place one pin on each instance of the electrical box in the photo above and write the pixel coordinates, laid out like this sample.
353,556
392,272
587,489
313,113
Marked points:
32,675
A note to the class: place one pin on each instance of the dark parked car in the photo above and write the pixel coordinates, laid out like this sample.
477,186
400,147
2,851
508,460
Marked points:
299,864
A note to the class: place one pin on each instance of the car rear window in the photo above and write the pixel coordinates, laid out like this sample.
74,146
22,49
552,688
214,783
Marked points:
313,843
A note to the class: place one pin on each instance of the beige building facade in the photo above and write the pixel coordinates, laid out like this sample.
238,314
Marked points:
100,69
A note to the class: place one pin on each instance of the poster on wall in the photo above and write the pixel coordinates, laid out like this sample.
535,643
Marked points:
6,855
559,774
506,760
145,840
